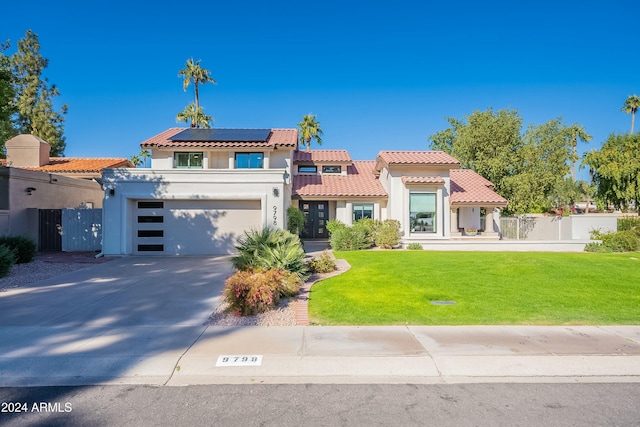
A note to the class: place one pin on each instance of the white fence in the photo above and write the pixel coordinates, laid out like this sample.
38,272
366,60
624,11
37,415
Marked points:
81,230
575,227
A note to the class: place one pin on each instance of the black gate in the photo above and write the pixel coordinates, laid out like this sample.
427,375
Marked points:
49,230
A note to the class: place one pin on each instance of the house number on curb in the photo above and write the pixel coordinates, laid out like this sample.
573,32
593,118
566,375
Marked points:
275,215
239,360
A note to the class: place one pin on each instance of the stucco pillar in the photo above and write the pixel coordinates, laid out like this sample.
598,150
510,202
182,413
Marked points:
232,160
454,220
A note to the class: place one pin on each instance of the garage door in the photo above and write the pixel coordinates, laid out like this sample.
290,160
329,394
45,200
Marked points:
192,227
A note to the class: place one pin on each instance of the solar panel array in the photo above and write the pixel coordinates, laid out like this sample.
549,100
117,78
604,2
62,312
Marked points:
222,135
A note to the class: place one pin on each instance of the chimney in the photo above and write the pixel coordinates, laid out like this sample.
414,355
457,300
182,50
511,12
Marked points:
27,151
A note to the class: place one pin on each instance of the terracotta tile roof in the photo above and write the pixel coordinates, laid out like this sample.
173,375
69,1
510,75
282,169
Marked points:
322,156
81,165
417,158
360,181
467,187
422,180
277,138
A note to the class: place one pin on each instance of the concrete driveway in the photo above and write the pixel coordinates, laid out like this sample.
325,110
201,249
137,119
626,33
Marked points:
129,317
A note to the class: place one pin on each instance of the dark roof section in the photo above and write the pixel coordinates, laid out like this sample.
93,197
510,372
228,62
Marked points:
222,135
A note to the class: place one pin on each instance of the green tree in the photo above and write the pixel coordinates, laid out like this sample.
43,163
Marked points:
309,129
144,155
135,159
526,169
193,72
195,116
616,170
484,141
542,164
631,105
7,96
35,96
576,132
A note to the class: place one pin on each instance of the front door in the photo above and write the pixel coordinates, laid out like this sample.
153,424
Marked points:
316,215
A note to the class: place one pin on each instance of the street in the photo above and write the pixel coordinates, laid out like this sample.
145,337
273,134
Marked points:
488,404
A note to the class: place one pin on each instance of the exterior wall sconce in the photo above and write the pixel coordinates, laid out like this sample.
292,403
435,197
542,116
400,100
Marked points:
30,190
112,192
276,192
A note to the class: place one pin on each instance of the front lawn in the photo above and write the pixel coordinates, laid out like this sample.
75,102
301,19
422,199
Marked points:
397,287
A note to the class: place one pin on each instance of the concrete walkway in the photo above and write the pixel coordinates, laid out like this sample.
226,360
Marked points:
139,320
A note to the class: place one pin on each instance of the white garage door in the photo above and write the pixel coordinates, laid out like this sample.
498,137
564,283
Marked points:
192,227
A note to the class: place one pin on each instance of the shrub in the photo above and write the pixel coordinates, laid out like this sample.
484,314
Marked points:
415,247
23,247
350,239
323,264
270,248
295,221
622,241
369,227
628,223
334,225
7,259
596,247
252,291
387,234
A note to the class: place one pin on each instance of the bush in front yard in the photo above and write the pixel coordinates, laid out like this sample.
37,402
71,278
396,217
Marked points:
387,234
252,291
621,241
7,259
350,239
295,220
322,264
270,248
23,247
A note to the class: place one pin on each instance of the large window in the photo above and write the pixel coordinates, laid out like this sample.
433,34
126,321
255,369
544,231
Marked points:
188,160
307,169
331,169
361,210
249,160
422,207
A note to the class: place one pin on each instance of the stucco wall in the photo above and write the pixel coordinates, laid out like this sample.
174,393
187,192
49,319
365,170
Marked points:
51,192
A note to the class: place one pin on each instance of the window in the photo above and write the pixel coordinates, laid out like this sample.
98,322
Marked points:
188,160
361,211
331,169
150,205
307,169
422,208
249,160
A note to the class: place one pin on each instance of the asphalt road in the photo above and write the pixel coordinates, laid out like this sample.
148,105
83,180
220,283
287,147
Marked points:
574,404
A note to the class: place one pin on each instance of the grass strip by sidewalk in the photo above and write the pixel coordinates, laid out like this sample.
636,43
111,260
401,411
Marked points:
489,288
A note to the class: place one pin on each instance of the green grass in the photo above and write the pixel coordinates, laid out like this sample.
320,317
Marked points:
396,287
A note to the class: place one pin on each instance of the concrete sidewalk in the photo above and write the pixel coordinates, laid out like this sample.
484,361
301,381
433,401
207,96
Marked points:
182,355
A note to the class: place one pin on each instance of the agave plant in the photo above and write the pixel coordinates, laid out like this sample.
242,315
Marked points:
270,248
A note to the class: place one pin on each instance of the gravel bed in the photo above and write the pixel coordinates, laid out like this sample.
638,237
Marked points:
34,271
284,315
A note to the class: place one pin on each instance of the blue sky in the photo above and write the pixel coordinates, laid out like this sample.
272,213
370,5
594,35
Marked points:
378,75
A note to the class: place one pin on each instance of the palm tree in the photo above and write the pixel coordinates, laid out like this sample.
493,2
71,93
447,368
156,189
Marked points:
576,132
194,72
631,106
135,160
309,129
196,116
144,155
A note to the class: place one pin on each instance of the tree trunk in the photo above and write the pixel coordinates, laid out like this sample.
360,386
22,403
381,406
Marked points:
633,119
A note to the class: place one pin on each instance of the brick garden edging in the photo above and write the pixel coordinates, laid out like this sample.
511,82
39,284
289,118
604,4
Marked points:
302,301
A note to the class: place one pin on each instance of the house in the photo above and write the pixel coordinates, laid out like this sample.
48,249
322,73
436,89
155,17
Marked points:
207,186
31,181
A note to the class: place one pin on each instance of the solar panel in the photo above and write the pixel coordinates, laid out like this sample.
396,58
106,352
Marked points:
222,135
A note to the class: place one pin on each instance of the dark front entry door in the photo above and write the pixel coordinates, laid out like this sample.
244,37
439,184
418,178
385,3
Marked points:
316,215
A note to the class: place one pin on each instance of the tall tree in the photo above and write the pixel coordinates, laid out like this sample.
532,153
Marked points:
616,171
484,141
309,129
193,72
631,105
195,116
576,132
7,95
35,95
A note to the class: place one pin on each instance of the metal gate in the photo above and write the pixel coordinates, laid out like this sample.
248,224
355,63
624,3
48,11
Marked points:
49,230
